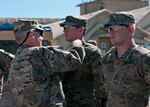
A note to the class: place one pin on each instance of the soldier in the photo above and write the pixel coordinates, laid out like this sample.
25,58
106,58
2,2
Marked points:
79,85
34,72
6,96
126,65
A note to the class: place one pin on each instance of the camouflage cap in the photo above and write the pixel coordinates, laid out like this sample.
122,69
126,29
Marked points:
23,25
120,18
74,21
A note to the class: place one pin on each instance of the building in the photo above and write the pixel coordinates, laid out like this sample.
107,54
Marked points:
113,5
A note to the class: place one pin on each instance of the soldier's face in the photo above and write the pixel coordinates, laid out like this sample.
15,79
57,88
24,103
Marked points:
71,33
118,34
38,38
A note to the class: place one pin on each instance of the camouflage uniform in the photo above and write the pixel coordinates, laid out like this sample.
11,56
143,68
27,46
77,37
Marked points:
7,98
35,71
126,66
34,75
128,77
79,84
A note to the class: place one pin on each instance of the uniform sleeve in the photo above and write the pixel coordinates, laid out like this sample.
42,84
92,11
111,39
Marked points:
93,60
5,61
144,68
60,60
93,56
100,92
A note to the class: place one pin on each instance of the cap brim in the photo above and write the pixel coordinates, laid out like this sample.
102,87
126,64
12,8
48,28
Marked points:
61,24
40,27
109,23
67,23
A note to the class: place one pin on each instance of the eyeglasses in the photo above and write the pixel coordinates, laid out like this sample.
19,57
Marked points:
68,27
115,28
39,32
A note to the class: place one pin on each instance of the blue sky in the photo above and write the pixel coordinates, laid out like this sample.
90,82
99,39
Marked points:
39,8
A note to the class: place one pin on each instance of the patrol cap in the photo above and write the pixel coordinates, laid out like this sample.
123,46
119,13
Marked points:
74,21
120,18
24,24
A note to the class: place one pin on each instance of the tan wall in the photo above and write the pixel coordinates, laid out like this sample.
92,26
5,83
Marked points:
7,35
54,42
48,36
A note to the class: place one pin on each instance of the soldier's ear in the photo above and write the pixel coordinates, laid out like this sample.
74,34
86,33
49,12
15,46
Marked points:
81,29
31,34
131,28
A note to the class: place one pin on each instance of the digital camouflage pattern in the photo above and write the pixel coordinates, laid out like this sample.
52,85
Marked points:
22,26
6,96
79,85
127,78
34,74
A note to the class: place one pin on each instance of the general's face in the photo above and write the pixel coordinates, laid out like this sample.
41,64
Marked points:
118,34
38,34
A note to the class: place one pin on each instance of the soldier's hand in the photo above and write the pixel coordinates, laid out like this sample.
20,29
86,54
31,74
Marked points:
77,43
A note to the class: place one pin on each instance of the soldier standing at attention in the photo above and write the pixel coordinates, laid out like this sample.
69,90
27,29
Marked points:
81,86
126,65
34,70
